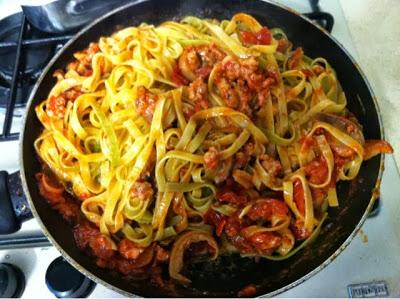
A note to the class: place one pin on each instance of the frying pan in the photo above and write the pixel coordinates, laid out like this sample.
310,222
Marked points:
229,274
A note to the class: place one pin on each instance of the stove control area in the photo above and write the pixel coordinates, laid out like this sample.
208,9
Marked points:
12,281
64,281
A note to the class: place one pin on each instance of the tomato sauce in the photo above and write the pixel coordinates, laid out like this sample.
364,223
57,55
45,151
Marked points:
262,37
178,78
266,208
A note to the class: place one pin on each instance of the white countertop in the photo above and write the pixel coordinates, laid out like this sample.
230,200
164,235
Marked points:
375,29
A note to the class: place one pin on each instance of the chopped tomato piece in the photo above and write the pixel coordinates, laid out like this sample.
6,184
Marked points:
248,37
262,37
266,208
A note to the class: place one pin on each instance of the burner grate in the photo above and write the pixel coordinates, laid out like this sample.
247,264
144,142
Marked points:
6,133
16,84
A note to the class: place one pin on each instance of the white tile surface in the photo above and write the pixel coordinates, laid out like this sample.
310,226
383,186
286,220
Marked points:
375,28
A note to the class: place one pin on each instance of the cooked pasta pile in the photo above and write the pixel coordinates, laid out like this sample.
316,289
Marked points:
198,130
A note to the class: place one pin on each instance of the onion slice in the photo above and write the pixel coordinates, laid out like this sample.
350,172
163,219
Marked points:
178,251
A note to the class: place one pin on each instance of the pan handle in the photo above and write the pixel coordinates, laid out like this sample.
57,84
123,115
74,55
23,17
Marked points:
14,206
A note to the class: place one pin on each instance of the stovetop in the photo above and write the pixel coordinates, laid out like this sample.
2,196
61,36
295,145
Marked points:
371,257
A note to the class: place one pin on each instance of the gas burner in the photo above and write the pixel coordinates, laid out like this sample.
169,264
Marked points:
33,59
23,91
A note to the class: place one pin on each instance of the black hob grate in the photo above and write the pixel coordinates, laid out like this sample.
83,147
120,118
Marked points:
25,51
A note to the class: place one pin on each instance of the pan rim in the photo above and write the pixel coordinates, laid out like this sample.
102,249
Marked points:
99,280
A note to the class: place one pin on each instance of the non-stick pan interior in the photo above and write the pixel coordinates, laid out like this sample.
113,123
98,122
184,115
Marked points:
229,274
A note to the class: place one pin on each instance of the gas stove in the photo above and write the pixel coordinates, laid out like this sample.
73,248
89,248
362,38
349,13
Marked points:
368,267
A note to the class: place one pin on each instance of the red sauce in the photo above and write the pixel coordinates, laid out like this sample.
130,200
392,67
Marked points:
59,201
307,73
101,246
319,195
318,69
68,209
204,71
318,92
84,232
283,44
262,37
248,291
243,156
56,106
232,198
306,143
129,250
234,224
265,241
266,208
339,162
295,58
88,237
232,193
124,266
72,93
178,78
317,171
217,220
298,230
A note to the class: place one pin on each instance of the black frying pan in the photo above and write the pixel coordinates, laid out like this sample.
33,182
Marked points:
230,274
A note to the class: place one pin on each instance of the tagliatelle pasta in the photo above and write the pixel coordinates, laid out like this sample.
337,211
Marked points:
201,131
